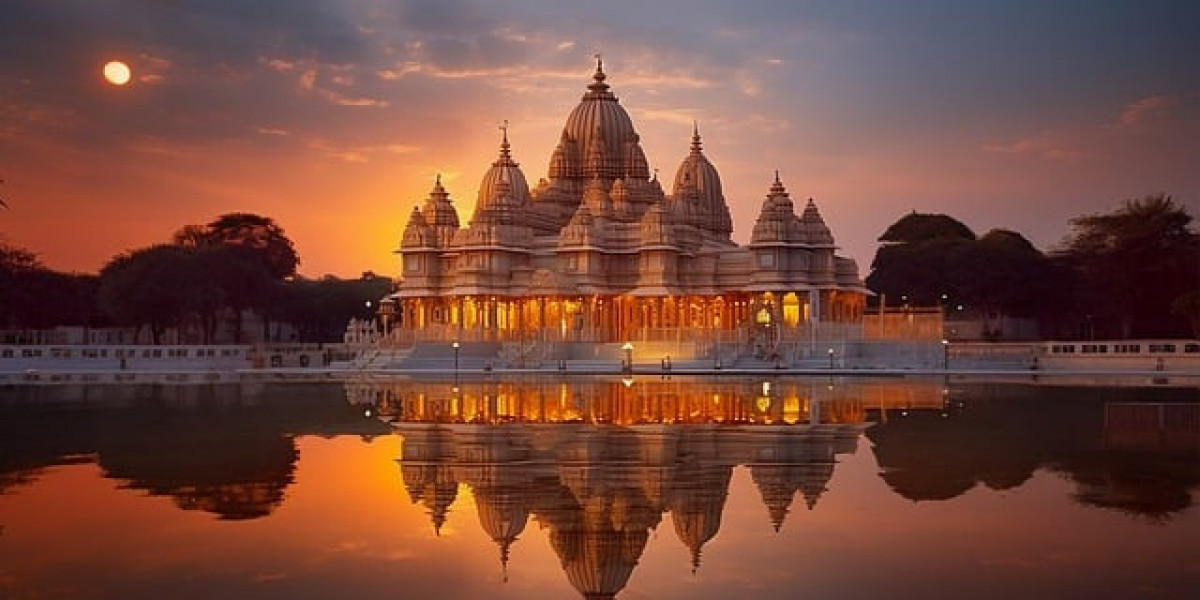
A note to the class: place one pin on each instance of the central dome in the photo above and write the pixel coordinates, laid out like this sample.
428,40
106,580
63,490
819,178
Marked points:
599,137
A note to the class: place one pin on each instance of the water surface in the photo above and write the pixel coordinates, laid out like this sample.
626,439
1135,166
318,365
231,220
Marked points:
648,488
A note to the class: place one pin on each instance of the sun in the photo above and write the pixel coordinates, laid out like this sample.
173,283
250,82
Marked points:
116,72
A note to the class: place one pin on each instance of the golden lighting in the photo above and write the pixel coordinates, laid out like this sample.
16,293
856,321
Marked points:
117,72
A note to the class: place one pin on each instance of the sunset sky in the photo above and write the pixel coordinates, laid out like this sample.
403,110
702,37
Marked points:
333,118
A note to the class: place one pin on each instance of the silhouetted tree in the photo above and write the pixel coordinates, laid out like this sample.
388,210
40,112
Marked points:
147,287
260,240
915,228
259,234
1188,306
320,308
34,297
1002,273
1132,263
932,259
917,258
16,264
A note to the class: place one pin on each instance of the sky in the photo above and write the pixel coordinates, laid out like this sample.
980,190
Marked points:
334,117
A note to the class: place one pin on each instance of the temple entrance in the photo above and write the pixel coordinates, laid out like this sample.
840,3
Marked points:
763,328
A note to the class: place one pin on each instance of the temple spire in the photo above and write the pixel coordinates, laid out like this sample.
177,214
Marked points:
504,145
598,87
777,188
695,138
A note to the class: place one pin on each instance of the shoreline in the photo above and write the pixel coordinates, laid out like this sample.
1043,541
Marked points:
1094,376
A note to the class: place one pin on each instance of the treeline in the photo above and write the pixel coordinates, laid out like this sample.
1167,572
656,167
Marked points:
1130,273
207,278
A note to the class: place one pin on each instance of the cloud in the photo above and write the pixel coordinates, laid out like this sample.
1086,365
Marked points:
1162,113
1147,109
1044,146
356,153
682,116
1160,110
344,100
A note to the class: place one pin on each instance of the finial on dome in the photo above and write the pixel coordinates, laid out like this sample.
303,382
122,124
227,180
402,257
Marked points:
438,182
504,559
777,188
598,86
504,146
695,138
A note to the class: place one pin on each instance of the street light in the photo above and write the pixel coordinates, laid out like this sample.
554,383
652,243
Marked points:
831,358
717,352
455,346
628,348
946,355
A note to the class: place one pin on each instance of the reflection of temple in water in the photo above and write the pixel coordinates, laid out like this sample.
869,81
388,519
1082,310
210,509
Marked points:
680,400
601,489
598,463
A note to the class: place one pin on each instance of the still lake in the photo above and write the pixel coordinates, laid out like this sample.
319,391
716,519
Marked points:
600,487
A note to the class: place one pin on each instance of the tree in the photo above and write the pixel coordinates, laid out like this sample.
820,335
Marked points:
244,282
1132,263
915,228
147,287
935,259
1188,306
16,264
34,297
320,308
915,260
259,234
259,240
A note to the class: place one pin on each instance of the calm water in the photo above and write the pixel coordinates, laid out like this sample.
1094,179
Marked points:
594,487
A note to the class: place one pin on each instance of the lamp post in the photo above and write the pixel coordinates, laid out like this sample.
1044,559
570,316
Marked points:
717,351
831,358
455,346
628,348
946,355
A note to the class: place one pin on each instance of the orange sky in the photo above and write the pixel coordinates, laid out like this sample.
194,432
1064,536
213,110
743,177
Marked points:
335,120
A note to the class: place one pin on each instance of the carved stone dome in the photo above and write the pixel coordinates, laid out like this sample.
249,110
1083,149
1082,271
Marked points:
504,169
697,172
599,129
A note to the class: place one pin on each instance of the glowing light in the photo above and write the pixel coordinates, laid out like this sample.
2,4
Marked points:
117,72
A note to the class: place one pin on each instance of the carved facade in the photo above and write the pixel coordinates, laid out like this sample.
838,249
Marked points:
599,251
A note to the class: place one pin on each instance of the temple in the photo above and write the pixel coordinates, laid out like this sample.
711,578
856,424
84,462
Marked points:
599,252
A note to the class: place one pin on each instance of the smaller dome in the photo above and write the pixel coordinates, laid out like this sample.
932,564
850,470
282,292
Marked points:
504,169
501,208
696,171
439,211
777,220
813,228
417,233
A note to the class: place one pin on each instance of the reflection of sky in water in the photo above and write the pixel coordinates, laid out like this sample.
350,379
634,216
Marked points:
289,492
